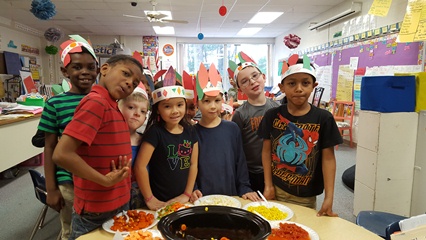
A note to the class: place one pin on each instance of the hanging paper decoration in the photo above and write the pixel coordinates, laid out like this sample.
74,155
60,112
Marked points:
43,9
52,34
292,41
51,50
200,36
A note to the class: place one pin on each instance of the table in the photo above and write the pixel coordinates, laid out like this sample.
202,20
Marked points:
328,228
15,140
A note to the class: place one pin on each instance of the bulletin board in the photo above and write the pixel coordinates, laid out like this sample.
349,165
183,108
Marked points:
380,51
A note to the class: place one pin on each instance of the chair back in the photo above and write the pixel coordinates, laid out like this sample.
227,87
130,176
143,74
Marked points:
39,183
316,100
343,112
391,228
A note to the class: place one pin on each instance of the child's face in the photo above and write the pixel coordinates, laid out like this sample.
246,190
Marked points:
134,112
251,81
120,79
298,88
191,109
210,107
81,71
172,110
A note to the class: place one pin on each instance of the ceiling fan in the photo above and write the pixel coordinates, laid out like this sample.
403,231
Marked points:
156,16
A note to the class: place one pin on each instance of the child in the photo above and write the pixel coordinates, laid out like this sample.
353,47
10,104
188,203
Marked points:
298,143
134,109
191,103
96,138
80,67
251,81
169,147
222,164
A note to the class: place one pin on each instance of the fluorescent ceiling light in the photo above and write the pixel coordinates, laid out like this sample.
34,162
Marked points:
248,31
164,30
264,17
167,13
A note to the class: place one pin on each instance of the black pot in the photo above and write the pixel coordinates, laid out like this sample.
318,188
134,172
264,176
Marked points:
207,222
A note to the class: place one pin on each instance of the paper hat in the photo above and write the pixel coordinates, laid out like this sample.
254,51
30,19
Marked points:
293,67
208,82
141,89
74,46
148,75
169,89
189,85
64,87
245,61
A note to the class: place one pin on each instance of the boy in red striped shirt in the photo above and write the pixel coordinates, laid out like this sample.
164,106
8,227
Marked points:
96,148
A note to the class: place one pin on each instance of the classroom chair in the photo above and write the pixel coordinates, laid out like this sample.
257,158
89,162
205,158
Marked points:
376,221
39,183
316,100
343,112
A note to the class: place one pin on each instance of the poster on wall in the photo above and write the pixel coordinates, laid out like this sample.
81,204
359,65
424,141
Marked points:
345,82
324,80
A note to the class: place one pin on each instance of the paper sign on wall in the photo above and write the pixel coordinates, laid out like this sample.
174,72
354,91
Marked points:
353,63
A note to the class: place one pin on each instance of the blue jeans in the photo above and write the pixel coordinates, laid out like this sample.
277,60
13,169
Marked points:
87,222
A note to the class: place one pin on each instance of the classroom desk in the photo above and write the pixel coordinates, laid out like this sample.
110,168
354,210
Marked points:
15,140
328,228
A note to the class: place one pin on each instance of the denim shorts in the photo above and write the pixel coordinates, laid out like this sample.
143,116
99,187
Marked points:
86,222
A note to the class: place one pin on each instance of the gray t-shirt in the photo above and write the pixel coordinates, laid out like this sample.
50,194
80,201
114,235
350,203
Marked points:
248,118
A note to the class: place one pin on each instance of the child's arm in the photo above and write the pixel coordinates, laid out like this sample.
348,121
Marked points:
192,176
142,176
269,191
329,173
65,155
54,197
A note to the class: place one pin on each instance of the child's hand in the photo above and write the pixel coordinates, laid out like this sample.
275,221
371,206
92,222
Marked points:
118,174
55,200
155,204
181,199
195,196
269,193
251,196
327,209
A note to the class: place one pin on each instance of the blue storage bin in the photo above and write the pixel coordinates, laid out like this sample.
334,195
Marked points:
388,93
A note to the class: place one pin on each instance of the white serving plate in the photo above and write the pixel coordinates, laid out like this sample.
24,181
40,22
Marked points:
219,200
312,234
270,204
108,224
122,236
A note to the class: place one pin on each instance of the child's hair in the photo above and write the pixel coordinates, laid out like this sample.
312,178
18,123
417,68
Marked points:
155,118
135,96
116,59
300,61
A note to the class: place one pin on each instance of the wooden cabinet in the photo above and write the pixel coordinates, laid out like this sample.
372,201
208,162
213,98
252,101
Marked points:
385,158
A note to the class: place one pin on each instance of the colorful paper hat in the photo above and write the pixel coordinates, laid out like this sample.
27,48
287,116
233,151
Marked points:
169,89
74,46
189,85
245,61
293,67
141,89
148,75
64,87
208,82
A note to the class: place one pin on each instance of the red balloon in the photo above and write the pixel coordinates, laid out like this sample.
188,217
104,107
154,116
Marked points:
222,11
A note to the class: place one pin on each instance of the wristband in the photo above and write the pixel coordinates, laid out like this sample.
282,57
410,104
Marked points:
187,194
149,199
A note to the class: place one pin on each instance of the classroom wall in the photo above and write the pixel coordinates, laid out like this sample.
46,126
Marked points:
324,35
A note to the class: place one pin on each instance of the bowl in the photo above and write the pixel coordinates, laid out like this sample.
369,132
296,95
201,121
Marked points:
214,222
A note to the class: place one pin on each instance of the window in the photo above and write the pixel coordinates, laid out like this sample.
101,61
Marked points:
191,55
